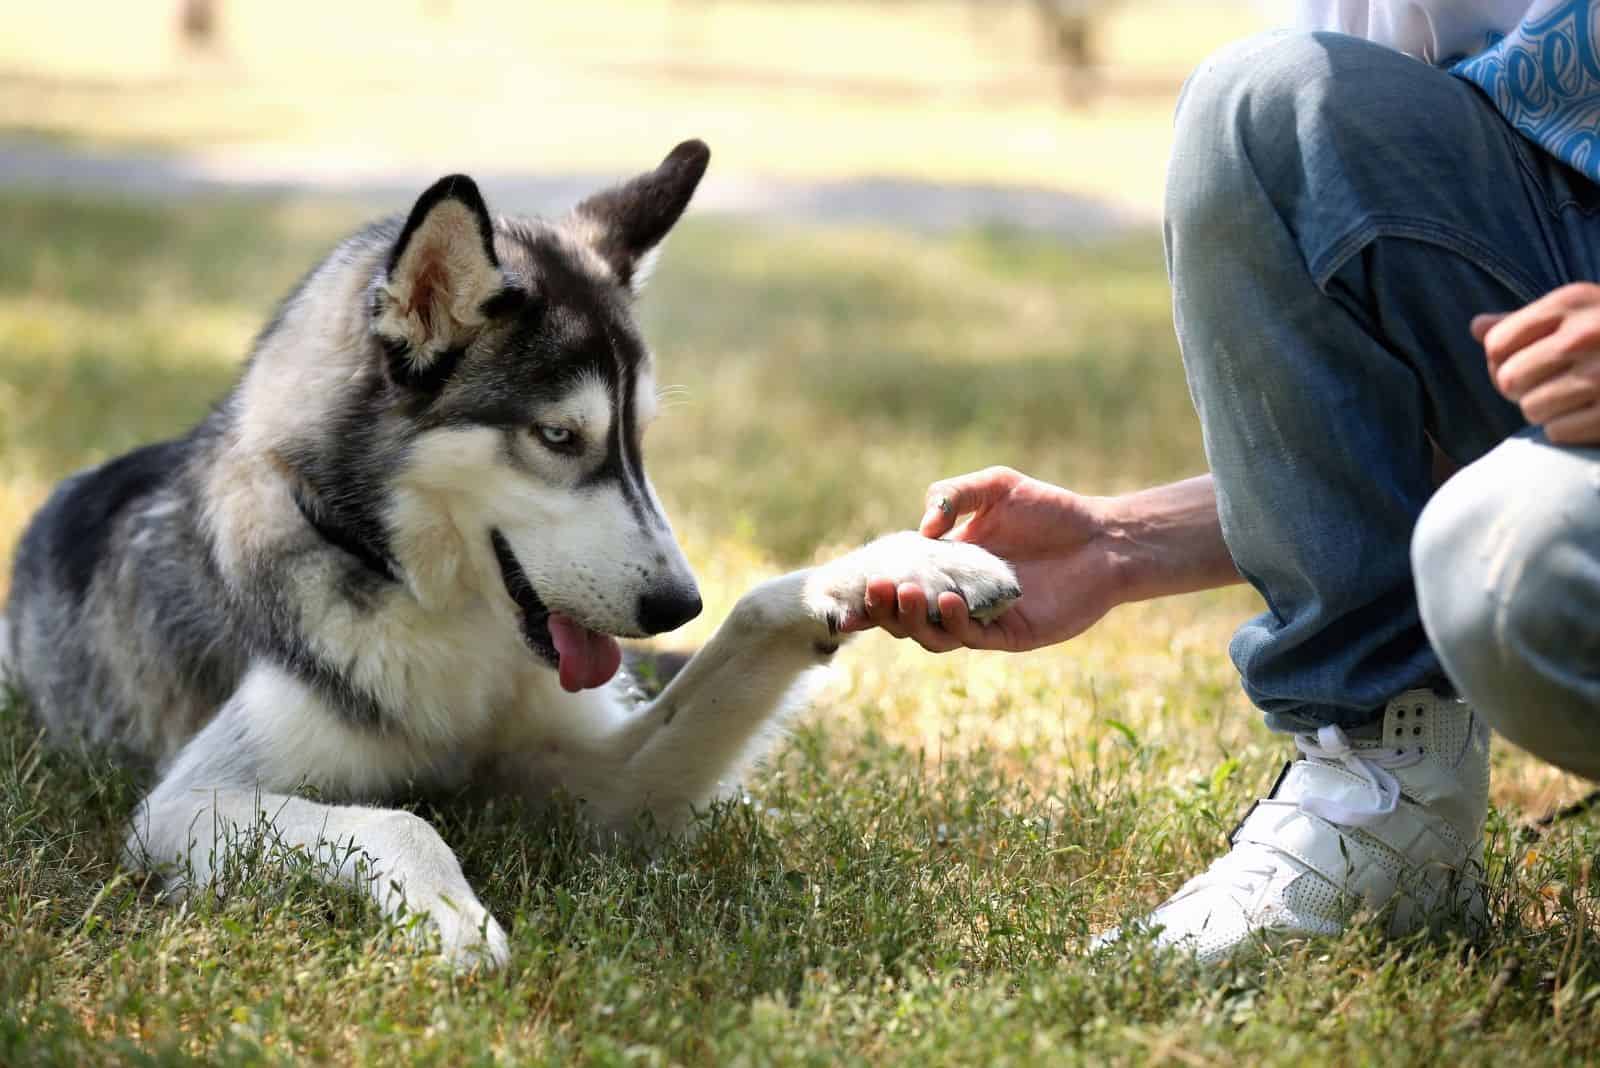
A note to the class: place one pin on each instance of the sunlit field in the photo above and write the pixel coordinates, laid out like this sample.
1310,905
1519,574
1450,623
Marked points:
950,90
913,877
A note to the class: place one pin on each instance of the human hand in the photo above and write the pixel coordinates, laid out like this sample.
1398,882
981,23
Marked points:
1050,536
1545,358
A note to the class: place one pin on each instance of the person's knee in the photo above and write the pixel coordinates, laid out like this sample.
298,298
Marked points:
1508,583
1243,75
1282,115
1238,107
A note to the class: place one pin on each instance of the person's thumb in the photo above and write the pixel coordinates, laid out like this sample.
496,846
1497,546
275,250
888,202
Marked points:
950,499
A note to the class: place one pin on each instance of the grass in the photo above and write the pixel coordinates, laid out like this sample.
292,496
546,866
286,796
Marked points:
912,878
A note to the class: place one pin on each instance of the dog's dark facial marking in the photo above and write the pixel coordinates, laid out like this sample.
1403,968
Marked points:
342,484
635,216
623,465
355,707
538,347
346,540
571,327
399,365
431,377
532,615
512,300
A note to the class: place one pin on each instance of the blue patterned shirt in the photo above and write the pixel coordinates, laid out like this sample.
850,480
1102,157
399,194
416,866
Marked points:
1544,76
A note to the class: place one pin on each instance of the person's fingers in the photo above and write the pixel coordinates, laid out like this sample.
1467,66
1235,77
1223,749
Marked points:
1578,388
880,599
1537,363
1479,327
1512,335
935,640
939,514
945,502
956,622
857,621
913,603
910,601
1517,330
952,610
950,498
1581,427
902,611
879,610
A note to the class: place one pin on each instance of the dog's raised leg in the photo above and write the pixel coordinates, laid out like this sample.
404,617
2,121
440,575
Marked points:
233,781
700,734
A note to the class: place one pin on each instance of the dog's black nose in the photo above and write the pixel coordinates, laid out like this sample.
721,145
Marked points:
668,609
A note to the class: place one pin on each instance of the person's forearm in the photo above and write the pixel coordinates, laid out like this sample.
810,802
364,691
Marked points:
1167,540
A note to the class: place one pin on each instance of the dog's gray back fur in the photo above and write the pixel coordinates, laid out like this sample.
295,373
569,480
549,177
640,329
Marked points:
121,631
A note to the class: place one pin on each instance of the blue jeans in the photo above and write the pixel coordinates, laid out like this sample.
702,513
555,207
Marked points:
1336,214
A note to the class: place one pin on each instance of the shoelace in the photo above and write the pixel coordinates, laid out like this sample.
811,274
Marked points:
1332,744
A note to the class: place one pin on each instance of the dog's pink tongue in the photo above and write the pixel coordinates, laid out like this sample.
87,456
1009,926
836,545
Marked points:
587,659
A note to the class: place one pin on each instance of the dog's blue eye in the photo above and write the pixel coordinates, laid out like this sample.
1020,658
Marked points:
557,437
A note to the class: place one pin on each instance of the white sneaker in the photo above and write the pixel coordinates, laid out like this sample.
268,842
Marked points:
1391,822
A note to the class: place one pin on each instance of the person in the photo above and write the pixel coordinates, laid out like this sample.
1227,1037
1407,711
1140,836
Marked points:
1378,253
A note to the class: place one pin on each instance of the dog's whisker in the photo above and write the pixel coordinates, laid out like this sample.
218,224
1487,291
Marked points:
672,396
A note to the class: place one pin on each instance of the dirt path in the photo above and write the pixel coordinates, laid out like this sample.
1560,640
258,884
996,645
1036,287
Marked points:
890,202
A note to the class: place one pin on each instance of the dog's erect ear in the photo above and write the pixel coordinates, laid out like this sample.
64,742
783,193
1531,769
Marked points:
629,221
442,284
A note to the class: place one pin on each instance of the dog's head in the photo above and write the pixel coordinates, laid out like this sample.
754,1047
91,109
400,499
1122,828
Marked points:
513,346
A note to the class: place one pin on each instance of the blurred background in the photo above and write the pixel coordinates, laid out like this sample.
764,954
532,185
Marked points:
929,242
1051,96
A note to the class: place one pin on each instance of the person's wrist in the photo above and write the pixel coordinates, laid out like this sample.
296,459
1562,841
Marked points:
1112,523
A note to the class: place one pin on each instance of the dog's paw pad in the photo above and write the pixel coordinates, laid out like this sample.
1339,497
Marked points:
984,581
990,603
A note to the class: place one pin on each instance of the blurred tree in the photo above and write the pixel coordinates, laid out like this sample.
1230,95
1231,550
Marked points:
198,23
1069,31
1070,28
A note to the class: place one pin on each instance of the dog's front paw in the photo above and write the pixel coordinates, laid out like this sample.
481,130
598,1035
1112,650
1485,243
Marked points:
838,590
469,938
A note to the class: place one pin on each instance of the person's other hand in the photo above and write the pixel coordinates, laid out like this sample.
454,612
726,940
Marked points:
1545,358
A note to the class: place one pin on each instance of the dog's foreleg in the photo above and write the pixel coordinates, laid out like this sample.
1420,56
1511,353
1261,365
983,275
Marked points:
701,733
227,796
690,744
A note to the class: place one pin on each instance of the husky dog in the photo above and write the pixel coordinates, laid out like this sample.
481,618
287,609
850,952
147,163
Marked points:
398,555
